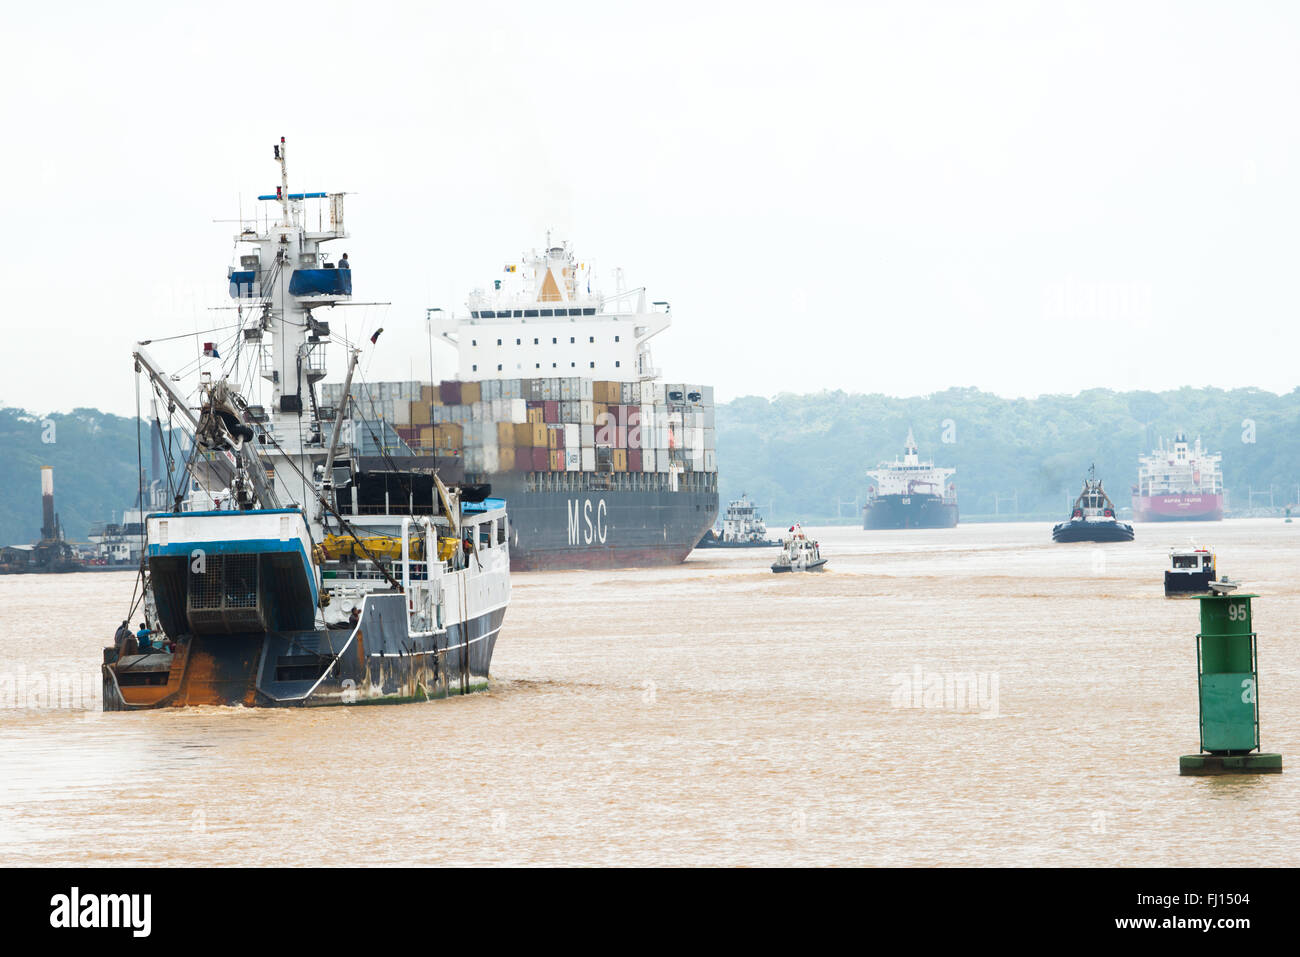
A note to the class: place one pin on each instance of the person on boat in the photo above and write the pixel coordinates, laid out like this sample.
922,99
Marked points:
343,262
123,632
142,636
353,617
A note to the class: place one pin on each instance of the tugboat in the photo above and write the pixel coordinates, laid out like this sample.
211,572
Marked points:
742,527
1191,571
289,571
799,553
1093,517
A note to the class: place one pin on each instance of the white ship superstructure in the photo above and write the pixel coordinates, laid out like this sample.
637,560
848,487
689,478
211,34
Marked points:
1180,467
909,475
547,316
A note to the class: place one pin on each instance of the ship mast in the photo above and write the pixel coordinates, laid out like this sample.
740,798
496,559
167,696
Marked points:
292,280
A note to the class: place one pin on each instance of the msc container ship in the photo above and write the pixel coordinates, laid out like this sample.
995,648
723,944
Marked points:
910,493
558,408
1179,482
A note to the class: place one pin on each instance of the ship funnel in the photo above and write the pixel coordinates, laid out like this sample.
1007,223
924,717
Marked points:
49,528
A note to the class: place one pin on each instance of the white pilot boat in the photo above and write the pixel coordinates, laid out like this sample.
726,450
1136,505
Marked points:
799,553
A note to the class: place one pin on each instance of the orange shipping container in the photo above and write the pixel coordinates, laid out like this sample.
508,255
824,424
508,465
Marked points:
506,458
536,416
470,392
620,460
426,437
555,437
420,412
557,461
539,440
505,435
448,435
523,436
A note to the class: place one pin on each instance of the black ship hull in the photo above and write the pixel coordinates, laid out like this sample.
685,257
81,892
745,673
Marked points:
377,660
712,541
909,511
814,567
587,526
1185,584
1085,531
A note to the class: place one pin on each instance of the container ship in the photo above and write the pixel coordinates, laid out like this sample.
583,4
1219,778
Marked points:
1179,482
559,409
910,493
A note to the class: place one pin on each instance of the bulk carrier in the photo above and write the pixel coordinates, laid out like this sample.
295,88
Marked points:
910,493
558,407
1179,482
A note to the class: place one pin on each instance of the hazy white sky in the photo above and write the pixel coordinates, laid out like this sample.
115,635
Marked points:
894,197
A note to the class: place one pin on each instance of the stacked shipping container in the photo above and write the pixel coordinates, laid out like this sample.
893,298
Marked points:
550,425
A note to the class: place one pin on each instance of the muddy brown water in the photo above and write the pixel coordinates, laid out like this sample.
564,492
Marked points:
969,696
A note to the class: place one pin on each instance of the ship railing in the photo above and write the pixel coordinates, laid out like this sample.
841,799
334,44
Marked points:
338,576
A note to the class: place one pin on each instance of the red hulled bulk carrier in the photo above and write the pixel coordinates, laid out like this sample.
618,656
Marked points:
1179,482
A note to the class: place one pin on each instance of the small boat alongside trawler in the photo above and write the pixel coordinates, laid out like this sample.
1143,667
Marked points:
286,572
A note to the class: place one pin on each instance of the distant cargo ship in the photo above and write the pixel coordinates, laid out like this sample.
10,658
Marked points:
1179,482
910,493
558,408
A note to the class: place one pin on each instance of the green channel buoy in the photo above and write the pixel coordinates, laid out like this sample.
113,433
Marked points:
1228,679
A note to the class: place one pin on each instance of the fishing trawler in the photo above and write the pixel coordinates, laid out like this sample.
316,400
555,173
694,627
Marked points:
799,553
1092,519
742,527
287,572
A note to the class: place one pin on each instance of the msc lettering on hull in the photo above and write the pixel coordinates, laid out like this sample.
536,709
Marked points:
587,524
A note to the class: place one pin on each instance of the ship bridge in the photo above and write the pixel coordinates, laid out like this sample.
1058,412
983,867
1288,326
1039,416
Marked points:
545,316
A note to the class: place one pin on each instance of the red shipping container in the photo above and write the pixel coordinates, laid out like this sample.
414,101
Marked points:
523,460
557,461
552,412
541,459
449,392
555,437
634,460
